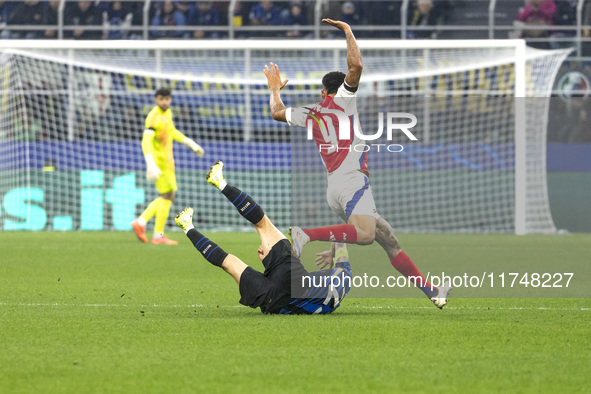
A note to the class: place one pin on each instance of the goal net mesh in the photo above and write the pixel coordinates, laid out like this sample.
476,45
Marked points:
72,122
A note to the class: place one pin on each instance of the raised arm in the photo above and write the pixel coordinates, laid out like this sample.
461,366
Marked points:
354,65
180,137
152,170
275,86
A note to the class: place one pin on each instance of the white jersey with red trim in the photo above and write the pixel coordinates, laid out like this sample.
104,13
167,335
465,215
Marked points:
332,129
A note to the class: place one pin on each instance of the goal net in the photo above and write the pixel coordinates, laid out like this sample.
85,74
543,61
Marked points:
73,116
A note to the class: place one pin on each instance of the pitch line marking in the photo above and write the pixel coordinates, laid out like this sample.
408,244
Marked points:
542,308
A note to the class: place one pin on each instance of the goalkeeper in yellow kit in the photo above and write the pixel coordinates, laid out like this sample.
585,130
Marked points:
157,147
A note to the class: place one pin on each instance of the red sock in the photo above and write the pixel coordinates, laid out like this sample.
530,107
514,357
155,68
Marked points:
339,233
406,267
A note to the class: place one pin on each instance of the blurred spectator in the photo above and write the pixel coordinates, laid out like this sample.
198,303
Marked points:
294,16
205,15
566,15
120,15
187,8
50,19
26,13
222,7
337,11
383,13
169,16
422,15
349,14
240,17
265,13
537,13
5,13
82,13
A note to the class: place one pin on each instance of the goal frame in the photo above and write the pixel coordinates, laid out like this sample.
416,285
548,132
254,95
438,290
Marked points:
518,45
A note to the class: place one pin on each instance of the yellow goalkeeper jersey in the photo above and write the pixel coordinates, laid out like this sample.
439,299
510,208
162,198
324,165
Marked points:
159,144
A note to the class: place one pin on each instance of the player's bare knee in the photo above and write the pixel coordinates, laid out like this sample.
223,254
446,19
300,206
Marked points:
234,266
268,233
366,238
265,222
366,228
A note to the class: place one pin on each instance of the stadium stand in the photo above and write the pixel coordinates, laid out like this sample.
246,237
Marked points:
441,19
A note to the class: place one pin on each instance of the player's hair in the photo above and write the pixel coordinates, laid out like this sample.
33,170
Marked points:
332,81
164,92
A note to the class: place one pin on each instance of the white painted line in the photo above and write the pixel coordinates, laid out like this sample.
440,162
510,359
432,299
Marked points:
542,308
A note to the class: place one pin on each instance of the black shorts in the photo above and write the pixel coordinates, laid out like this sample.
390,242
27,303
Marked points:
271,290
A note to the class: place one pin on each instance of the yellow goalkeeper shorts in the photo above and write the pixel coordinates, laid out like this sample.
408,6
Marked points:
167,182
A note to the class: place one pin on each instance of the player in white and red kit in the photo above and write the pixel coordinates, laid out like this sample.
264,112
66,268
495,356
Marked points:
349,194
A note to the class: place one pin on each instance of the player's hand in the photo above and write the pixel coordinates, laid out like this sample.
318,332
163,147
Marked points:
152,170
199,151
153,173
324,259
274,77
195,147
343,26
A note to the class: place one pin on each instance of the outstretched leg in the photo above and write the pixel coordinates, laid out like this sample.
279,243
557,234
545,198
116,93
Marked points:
247,207
403,264
162,212
209,249
360,230
253,285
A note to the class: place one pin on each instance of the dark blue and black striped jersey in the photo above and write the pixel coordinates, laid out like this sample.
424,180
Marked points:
323,291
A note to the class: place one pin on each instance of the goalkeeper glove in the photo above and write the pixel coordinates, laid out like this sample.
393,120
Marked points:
152,170
195,147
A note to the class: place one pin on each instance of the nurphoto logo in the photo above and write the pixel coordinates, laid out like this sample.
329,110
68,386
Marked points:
395,122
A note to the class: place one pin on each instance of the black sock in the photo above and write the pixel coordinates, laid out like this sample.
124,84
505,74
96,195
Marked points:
210,250
245,205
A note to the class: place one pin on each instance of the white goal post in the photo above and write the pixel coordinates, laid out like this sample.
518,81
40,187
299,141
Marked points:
73,111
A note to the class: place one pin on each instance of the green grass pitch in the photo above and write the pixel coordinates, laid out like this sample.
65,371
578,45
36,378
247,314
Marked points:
100,312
